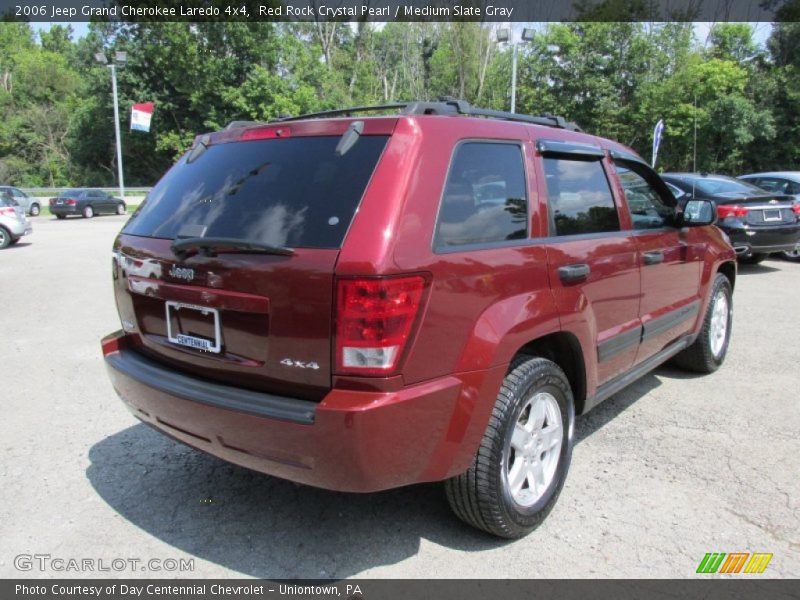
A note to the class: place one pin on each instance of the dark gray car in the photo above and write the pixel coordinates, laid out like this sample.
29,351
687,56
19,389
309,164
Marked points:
85,202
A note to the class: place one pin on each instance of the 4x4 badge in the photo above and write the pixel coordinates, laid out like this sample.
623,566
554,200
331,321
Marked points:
288,362
182,273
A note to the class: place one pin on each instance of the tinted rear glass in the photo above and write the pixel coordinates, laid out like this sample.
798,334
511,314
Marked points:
292,192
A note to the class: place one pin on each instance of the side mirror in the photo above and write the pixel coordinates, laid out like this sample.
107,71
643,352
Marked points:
697,213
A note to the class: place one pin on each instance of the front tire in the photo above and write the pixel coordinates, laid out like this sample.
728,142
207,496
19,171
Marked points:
522,462
5,238
35,210
88,212
708,351
121,208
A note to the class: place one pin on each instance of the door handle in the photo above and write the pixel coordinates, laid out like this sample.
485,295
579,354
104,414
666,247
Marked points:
570,273
653,258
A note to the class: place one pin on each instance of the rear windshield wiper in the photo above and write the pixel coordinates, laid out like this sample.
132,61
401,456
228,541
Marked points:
211,246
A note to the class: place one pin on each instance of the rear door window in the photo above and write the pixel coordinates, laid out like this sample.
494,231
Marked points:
485,200
579,197
293,192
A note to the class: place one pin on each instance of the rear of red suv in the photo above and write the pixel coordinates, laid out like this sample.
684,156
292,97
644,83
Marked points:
366,303
239,336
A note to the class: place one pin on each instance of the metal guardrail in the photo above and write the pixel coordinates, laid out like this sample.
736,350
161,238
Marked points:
54,191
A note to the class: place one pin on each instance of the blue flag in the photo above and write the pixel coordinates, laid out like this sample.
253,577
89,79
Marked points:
657,133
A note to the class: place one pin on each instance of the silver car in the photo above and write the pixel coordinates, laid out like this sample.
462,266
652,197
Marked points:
13,222
32,206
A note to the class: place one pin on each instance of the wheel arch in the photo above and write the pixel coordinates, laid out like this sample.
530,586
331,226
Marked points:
564,349
729,270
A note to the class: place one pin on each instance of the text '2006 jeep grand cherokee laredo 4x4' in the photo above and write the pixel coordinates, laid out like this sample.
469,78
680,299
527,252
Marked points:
361,303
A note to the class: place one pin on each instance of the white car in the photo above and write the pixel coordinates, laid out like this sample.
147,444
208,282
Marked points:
779,182
13,222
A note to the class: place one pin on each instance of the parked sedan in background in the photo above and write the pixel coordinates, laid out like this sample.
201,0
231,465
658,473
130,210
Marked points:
779,182
758,222
30,205
13,222
86,202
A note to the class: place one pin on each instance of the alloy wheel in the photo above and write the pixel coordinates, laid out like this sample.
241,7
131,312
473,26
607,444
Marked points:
718,332
534,449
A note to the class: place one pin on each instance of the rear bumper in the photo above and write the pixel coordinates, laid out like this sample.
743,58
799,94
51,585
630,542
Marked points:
64,210
775,239
17,228
355,441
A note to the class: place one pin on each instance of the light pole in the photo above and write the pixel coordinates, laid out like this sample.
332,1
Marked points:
120,58
506,35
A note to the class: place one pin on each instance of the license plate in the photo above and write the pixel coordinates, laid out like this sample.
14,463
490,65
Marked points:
176,335
772,215
59,202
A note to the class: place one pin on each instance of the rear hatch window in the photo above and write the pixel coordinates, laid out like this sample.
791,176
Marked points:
294,192
257,320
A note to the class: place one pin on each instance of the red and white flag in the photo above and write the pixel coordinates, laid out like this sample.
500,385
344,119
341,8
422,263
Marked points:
141,114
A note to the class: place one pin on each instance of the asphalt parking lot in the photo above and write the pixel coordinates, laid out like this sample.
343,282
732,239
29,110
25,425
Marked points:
671,468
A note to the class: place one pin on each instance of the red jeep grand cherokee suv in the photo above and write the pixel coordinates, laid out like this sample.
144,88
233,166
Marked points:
360,303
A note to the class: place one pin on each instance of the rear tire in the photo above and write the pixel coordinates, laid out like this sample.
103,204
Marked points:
121,209
5,238
61,217
88,212
753,259
35,210
523,459
792,255
708,351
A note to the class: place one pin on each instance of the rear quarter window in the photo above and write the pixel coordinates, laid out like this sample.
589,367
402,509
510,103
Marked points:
294,192
485,199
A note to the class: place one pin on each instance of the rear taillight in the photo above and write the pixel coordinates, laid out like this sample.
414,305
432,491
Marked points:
374,318
71,202
9,212
796,208
726,210
52,201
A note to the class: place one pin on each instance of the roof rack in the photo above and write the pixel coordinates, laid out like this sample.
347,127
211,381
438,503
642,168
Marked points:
451,106
445,106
